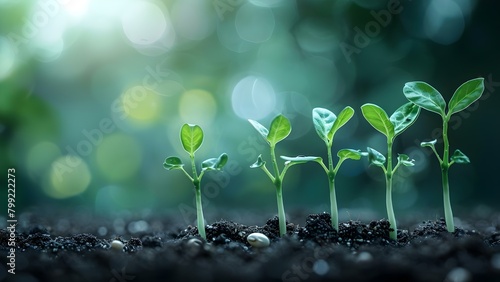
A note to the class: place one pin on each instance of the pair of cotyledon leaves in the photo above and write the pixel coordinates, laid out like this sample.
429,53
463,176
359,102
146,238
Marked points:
191,139
420,95
326,124
427,97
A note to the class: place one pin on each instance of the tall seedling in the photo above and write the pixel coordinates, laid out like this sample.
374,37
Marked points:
425,96
280,128
391,127
326,124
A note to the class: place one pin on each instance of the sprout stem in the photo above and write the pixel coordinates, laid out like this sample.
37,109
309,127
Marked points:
388,196
390,210
278,182
333,205
331,183
199,212
445,166
200,220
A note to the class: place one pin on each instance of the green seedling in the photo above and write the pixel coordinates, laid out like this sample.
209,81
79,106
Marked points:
391,127
326,124
280,128
427,97
191,139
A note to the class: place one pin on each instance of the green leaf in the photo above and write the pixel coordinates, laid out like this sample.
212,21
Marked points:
191,137
465,95
260,162
404,117
425,96
279,130
378,118
349,154
323,121
260,128
172,163
215,163
375,158
405,160
344,116
429,143
459,157
301,159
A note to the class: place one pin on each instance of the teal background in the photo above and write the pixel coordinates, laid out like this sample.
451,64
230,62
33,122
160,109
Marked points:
93,95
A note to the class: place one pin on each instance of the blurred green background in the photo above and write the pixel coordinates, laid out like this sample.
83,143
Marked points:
93,94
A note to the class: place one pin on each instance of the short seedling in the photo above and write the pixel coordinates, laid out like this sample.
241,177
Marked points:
425,96
191,139
391,127
280,128
326,124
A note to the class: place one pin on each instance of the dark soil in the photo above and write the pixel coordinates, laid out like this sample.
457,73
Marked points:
157,249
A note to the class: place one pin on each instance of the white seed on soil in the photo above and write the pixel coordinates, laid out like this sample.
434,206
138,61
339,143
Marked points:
258,240
117,245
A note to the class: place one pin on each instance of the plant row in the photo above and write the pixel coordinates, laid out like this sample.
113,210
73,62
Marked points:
326,124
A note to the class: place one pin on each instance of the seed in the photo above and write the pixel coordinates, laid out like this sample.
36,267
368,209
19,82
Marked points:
258,240
117,245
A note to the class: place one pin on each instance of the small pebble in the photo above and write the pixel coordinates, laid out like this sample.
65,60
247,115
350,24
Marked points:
258,240
117,245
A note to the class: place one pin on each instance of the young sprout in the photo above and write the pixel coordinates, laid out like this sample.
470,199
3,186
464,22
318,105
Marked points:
326,124
280,128
391,127
191,139
425,96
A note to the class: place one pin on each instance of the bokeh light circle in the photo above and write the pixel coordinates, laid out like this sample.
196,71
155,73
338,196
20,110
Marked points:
141,104
39,158
296,107
119,157
229,38
143,22
253,97
197,106
444,22
254,24
193,19
69,176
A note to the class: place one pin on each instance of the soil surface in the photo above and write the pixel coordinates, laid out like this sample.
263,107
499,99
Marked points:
78,248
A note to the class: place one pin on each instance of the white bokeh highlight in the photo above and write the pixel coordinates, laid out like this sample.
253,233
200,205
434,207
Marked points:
255,24
143,22
253,97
